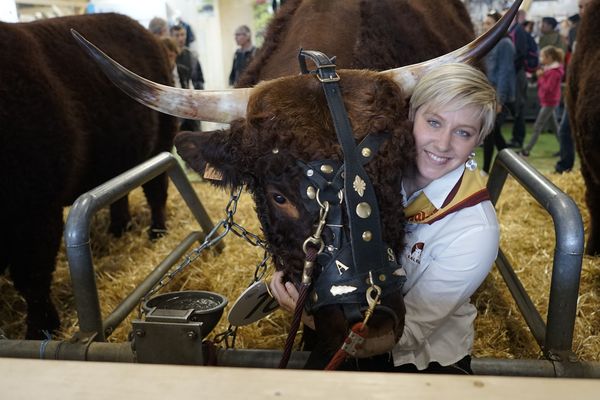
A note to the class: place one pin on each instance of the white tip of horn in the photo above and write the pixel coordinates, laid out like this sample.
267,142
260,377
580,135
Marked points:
408,76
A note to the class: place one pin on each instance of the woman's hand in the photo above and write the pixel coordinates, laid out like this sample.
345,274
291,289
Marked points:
287,295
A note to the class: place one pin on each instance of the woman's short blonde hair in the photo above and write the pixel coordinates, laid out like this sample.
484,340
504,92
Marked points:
457,85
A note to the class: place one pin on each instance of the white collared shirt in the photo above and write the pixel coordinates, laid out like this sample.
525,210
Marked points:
445,263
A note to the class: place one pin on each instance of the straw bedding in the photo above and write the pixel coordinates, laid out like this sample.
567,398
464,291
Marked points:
527,238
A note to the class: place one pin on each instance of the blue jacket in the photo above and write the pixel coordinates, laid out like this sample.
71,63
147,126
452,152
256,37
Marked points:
501,70
519,39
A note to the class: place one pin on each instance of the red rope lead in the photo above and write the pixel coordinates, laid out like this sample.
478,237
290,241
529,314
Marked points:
289,342
351,345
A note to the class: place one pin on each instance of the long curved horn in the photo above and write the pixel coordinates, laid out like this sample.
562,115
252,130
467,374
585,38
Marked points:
206,105
408,76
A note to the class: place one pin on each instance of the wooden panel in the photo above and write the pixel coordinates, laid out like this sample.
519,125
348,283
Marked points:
48,380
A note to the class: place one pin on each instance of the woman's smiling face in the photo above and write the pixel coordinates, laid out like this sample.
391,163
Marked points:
444,139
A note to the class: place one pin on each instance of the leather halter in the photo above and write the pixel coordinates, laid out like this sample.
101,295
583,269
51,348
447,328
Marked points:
356,253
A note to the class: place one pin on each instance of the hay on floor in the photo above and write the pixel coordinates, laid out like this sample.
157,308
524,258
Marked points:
527,238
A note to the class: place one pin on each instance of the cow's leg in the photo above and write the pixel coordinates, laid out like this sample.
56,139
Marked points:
119,217
592,198
156,195
31,266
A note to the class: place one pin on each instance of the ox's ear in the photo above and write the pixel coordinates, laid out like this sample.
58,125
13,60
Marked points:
212,153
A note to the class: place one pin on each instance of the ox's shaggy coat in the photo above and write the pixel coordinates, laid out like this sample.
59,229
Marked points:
377,35
583,102
64,129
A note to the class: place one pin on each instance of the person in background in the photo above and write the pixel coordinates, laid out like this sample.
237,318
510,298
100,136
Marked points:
550,36
501,73
521,16
449,253
567,150
189,32
528,26
549,79
574,21
158,27
181,74
187,57
182,79
90,8
243,55
519,39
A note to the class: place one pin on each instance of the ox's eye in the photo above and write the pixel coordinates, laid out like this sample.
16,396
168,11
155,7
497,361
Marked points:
279,198
280,204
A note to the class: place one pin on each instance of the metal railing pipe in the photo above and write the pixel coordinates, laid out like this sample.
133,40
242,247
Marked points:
123,352
183,185
77,232
568,252
530,313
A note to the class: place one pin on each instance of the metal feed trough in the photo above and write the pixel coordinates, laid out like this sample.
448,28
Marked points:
175,336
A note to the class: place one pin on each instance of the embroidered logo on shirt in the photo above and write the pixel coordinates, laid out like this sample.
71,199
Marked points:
415,252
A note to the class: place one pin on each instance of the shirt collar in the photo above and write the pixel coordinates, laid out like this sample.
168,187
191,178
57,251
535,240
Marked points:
438,190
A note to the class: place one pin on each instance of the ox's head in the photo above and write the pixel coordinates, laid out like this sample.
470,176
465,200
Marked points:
282,129
288,121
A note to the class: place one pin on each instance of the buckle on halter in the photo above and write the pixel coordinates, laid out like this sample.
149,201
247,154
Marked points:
327,79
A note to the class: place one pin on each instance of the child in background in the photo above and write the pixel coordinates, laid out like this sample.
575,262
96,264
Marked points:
549,78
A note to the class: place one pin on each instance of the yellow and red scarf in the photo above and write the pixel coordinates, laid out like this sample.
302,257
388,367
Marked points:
468,191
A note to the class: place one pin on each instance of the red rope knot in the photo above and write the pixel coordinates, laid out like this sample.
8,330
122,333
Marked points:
355,339
350,347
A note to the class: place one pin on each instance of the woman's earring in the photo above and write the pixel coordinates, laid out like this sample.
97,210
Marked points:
471,164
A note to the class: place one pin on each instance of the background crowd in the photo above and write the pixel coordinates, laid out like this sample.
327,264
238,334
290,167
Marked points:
187,71
533,53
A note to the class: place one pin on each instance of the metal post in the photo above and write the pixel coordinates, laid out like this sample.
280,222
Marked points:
188,194
530,313
568,253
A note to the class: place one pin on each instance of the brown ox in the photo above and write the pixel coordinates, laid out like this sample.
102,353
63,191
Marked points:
283,121
64,129
583,102
376,35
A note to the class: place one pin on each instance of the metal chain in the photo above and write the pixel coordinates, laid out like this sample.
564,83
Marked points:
231,332
227,225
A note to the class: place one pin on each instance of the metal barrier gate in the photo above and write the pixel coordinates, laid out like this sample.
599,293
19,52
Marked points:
79,252
555,338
